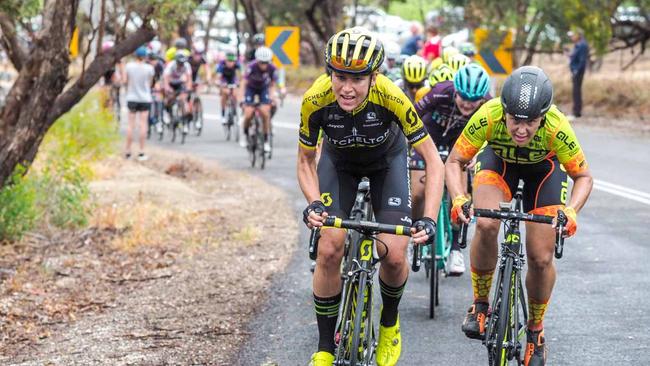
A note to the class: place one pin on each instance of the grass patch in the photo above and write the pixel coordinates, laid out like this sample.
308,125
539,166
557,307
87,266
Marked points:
55,190
299,80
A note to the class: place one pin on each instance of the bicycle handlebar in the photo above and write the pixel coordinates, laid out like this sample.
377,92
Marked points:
512,215
375,227
522,216
367,226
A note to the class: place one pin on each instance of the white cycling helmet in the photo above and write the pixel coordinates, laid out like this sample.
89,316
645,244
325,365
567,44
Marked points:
263,54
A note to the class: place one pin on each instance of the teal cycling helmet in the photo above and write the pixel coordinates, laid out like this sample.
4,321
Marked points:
472,82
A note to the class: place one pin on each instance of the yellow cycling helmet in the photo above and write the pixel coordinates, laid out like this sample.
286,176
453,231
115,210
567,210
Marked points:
435,63
457,61
442,73
170,54
448,52
354,51
414,69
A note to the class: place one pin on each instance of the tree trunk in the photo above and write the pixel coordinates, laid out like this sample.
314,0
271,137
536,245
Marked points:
249,10
41,80
211,15
36,101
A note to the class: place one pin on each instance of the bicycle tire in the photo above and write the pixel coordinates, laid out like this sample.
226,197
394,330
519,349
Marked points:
343,324
198,115
262,155
433,282
359,307
183,129
503,322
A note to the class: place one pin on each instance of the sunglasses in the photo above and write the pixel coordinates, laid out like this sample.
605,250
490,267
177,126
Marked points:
340,63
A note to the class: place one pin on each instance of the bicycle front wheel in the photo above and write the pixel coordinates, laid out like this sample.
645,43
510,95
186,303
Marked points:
197,116
357,346
433,282
501,347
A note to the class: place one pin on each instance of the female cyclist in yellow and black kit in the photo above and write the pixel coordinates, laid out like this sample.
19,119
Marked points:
364,118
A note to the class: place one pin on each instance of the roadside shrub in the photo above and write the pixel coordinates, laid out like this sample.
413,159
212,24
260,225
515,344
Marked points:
55,190
17,209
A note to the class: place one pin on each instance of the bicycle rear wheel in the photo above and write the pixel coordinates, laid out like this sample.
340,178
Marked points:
262,153
197,115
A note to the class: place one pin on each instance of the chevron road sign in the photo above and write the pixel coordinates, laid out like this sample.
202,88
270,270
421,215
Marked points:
494,54
285,44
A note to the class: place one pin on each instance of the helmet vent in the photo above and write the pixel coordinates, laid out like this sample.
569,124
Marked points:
524,96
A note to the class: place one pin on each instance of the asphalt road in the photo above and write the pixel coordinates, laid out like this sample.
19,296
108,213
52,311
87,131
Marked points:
597,314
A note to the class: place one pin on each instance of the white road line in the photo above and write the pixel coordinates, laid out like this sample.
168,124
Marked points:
621,191
288,126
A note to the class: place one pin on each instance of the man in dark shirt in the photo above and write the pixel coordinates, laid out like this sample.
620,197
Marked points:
578,65
414,42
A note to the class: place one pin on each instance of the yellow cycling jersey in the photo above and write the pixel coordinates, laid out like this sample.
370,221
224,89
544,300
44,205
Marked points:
370,130
554,137
421,93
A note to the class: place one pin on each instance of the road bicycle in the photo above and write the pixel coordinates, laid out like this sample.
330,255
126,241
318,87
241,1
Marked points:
255,146
231,125
197,111
178,118
356,338
436,257
505,333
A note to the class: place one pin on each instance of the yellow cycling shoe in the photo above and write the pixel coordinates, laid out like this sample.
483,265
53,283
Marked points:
322,358
390,345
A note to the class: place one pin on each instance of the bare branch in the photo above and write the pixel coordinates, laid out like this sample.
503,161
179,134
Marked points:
98,67
10,42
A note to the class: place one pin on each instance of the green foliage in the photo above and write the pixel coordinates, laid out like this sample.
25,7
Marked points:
56,188
18,211
84,134
168,13
21,8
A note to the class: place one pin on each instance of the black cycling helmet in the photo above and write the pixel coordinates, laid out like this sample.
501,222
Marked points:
258,39
180,43
527,93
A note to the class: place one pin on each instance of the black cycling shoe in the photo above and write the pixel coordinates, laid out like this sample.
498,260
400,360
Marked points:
474,323
535,348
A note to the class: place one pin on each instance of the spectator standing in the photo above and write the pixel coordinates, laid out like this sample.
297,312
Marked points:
414,42
432,46
578,65
139,76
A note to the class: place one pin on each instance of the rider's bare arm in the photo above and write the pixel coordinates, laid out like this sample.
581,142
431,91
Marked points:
435,171
583,182
454,176
307,176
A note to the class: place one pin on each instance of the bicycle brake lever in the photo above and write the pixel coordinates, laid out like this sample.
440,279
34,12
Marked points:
417,254
462,237
559,237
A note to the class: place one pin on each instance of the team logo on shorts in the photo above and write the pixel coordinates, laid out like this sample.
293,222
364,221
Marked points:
394,201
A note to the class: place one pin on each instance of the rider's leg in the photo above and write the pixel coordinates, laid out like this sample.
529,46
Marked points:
483,252
224,95
544,193
338,192
327,285
393,274
129,131
143,115
540,278
249,111
265,112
